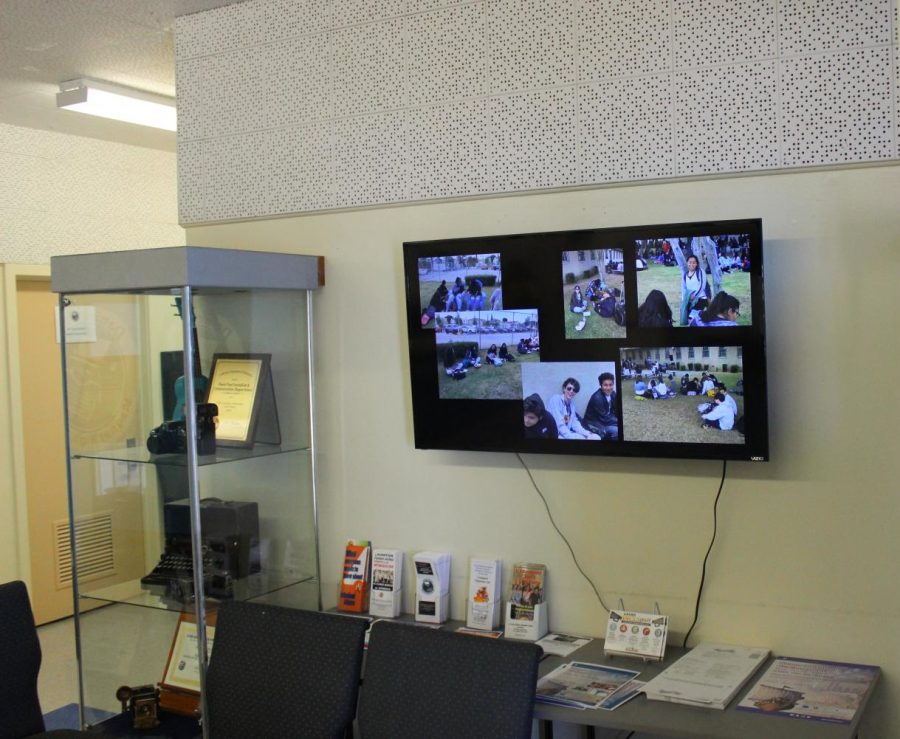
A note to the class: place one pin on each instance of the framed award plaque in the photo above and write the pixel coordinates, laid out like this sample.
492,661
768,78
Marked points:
179,690
241,387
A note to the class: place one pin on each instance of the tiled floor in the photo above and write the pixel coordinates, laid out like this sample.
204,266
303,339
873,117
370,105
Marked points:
58,680
121,645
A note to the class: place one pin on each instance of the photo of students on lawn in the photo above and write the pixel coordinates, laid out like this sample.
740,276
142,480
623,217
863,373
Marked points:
480,353
466,282
699,282
683,394
593,296
570,400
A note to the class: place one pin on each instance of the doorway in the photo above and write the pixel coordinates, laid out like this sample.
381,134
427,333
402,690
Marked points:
43,447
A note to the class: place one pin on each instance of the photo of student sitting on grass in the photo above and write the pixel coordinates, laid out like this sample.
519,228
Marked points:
723,310
701,401
593,283
686,274
463,282
575,417
474,358
600,417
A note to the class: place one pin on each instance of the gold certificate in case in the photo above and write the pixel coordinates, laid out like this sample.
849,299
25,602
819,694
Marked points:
241,387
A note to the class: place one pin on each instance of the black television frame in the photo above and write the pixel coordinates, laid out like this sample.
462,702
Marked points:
531,268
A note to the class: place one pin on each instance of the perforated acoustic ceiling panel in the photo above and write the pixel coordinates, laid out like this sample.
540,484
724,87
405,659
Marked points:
291,106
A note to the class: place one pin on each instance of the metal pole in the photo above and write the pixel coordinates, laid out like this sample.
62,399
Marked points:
312,434
71,503
190,417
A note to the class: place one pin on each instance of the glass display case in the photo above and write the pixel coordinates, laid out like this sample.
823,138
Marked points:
191,454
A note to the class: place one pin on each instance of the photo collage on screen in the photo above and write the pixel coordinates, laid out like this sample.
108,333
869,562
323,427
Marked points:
606,338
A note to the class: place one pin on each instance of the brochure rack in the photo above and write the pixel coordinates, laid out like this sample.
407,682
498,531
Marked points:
157,534
527,629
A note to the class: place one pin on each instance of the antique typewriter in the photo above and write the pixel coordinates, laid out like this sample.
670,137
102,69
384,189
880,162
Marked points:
230,548
173,575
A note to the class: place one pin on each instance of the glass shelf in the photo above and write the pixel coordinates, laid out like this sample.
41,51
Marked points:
258,585
140,455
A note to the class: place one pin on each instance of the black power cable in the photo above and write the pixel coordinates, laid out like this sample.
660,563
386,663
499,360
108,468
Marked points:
561,535
711,542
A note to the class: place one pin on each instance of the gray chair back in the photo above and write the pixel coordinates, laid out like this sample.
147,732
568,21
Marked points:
20,662
430,684
282,672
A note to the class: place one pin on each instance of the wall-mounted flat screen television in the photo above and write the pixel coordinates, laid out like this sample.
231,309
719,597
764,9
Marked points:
636,341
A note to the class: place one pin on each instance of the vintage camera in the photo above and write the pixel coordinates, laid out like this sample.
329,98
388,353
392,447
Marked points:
170,437
142,702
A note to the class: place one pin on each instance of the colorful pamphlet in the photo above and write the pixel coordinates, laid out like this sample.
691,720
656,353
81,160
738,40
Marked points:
812,689
624,694
582,684
527,589
387,583
526,611
636,634
483,609
355,582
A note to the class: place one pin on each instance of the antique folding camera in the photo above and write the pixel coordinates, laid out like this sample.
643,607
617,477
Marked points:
170,437
143,704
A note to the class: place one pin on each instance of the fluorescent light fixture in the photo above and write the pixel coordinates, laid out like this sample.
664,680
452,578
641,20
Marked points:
109,101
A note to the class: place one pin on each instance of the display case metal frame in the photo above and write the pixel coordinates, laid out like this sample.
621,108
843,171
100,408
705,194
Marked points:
180,271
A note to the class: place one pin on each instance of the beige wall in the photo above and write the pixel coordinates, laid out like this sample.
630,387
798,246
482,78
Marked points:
62,194
805,560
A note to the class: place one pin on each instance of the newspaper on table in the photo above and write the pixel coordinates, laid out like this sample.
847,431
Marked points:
811,689
581,684
562,644
709,675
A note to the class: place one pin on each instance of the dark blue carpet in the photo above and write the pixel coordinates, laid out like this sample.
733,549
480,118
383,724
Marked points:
66,717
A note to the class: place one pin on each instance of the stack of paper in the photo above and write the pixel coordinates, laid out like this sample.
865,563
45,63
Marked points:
709,675
583,685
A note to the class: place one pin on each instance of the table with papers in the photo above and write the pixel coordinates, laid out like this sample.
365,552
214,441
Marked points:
677,720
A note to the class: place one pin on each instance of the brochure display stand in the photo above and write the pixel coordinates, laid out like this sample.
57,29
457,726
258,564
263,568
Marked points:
483,606
530,629
526,611
386,598
171,512
432,587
